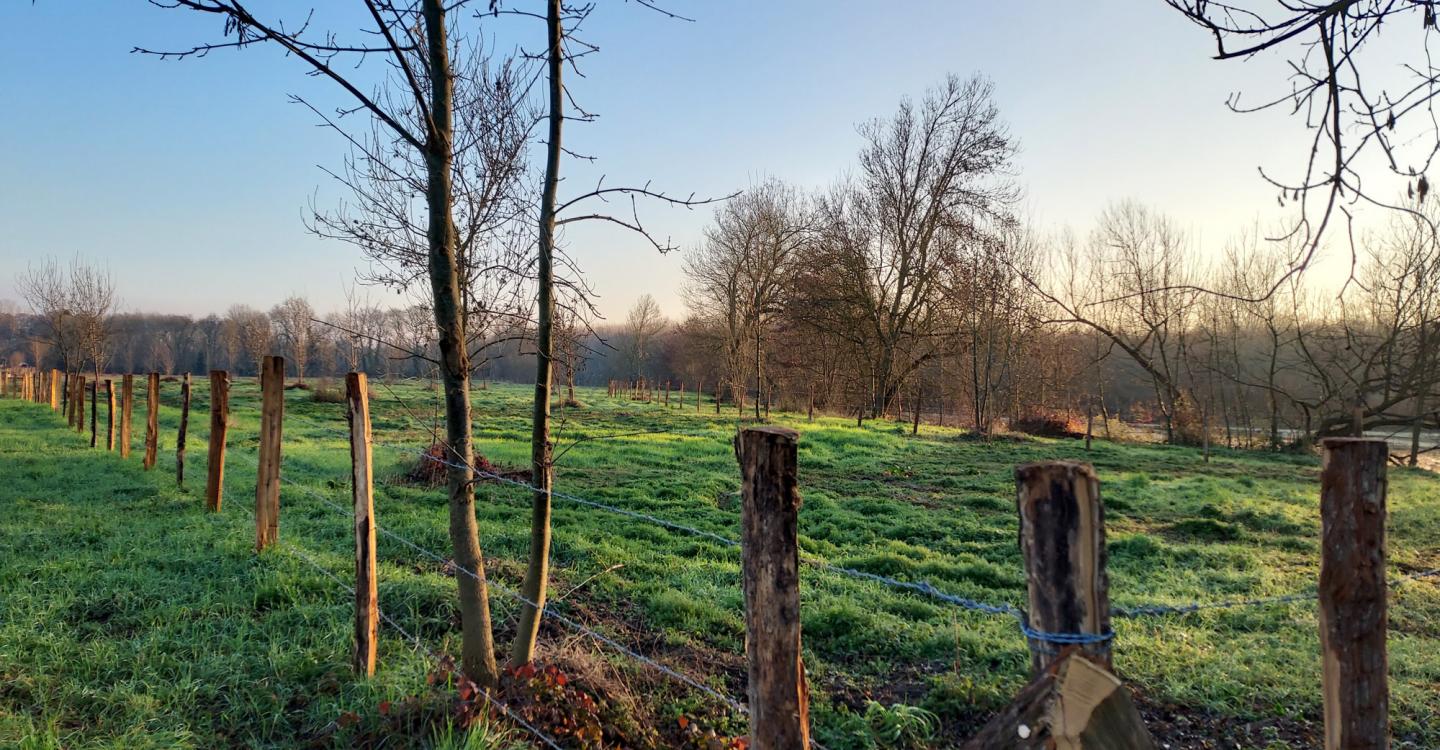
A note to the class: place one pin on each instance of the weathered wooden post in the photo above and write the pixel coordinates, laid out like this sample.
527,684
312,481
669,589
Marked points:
717,396
267,481
1062,539
54,384
367,611
78,404
667,393
1353,615
152,420
1073,700
219,425
699,389
127,413
94,411
183,429
779,699
109,414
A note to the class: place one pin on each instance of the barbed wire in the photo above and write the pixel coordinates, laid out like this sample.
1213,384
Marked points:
439,659
548,611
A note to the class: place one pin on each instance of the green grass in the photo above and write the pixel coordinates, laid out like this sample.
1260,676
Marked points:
129,617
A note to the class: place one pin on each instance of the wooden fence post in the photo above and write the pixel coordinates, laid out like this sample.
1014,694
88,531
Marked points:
184,428
219,425
1062,539
267,481
127,413
152,420
699,389
109,414
78,404
778,696
94,411
1353,594
367,612
55,390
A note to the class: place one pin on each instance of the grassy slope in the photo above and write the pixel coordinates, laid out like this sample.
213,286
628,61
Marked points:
128,617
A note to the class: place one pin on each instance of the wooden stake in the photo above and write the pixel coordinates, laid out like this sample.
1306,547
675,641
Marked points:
184,428
267,481
127,413
94,411
367,612
1062,539
152,420
219,425
109,414
1353,615
55,390
778,697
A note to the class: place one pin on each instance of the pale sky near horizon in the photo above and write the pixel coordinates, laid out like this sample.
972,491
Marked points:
190,178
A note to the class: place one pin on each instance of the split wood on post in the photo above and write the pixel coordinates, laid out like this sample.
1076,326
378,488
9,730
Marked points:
267,480
109,414
1062,541
219,426
367,611
184,428
779,698
1353,593
152,420
127,413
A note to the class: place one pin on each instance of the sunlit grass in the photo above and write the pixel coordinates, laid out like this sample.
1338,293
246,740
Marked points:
132,618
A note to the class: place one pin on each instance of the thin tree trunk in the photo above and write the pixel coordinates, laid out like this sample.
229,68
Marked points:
537,572
477,651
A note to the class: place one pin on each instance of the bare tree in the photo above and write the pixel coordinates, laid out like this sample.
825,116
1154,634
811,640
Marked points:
293,319
931,179
1334,57
642,324
46,289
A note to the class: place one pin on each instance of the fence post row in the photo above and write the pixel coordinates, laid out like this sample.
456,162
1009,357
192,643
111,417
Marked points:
219,426
367,611
1353,592
770,508
267,481
152,420
181,433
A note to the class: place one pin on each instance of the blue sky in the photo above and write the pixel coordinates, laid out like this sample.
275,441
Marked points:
190,178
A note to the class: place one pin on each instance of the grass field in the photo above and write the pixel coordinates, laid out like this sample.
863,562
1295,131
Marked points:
130,617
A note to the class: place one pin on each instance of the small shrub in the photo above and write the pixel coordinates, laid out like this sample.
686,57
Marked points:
1053,424
323,395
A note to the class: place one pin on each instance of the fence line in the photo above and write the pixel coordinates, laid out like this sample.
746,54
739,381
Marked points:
922,587
501,588
438,658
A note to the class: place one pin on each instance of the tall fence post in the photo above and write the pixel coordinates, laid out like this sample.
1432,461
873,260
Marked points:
78,404
152,420
219,425
367,612
110,414
778,696
94,410
1062,539
181,432
55,390
267,481
1353,594
127,413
